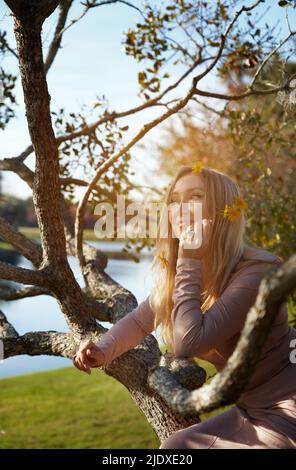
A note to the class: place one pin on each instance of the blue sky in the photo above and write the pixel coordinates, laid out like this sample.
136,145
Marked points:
91,62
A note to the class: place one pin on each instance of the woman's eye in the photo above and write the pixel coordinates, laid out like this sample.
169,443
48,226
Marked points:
195,197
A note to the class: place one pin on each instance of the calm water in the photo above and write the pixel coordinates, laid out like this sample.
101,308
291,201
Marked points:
42,312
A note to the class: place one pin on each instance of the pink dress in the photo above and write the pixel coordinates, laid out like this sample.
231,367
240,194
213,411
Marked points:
264,416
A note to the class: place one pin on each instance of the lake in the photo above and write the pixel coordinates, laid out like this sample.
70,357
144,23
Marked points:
42,313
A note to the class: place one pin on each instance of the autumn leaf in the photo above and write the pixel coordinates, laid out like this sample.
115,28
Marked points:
163,259
197,167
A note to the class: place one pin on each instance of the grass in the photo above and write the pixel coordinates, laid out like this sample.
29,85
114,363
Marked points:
65,408
33,234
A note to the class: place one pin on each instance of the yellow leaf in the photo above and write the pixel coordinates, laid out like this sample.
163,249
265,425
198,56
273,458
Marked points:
197,167
163,259
240,203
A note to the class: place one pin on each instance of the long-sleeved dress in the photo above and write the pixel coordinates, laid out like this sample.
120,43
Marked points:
264,416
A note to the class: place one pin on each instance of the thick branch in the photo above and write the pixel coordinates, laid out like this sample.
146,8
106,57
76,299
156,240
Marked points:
16,165
7,293
30,250
36,343
22,275
227,385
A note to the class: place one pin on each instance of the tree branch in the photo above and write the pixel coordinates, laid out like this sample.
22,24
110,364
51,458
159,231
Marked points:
22,275
65,6
51,343
30,250
7,293
249,92
267,58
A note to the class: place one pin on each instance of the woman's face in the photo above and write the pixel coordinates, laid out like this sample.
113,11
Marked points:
188,188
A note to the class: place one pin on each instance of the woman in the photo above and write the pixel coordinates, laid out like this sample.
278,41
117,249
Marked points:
201,298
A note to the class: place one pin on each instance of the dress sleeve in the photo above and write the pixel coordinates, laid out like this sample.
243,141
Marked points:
196,332
127,332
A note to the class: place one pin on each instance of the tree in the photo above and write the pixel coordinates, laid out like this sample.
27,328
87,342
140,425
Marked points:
166,388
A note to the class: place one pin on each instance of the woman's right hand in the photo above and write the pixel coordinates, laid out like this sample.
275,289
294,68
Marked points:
88,355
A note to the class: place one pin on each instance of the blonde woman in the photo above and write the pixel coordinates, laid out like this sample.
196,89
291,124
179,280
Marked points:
200,299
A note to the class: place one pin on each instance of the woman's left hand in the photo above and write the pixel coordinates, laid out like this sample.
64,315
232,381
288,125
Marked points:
198,253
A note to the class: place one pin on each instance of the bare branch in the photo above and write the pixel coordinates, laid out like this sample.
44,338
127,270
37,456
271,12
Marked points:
16,165
207,107
224,37
247,93
94,3
79,182
88,5
22,275
65,6
51,343
26,247
227,385
267,58
7,293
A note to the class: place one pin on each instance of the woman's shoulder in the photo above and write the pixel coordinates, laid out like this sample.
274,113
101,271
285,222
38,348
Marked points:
255,261
259,255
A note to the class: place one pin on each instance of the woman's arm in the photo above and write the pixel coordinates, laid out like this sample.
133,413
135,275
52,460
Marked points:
196,332
127,332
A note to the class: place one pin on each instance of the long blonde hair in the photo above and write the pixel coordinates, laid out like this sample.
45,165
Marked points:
226,247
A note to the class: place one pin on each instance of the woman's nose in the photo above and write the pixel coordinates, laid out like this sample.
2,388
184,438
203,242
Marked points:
183,213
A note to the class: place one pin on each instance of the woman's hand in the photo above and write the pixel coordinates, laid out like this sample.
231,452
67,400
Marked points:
187,237
88,355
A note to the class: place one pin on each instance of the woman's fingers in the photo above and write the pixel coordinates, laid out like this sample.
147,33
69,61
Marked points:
95,356
88,355
77,364
82,364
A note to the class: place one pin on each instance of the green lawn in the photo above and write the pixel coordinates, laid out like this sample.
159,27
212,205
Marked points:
65,408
